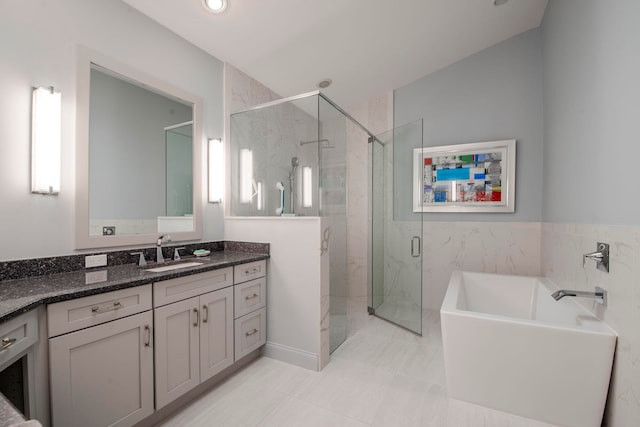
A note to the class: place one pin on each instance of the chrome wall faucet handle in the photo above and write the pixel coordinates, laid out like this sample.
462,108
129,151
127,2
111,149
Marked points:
176,253
141,261
600,256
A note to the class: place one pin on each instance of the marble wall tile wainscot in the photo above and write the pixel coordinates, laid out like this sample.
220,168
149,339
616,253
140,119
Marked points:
562,248
487,247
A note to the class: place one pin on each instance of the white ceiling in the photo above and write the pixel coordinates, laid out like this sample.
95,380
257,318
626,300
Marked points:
366,46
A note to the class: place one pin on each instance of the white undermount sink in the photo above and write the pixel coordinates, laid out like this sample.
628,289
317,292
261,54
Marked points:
173,267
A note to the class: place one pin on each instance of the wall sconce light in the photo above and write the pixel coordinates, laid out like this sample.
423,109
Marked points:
259,196
246,175
216,170
307,187
46,121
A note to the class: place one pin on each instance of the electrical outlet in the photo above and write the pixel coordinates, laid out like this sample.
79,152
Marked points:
95,261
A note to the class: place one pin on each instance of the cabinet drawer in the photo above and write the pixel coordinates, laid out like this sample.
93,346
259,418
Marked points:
249,296
173,290
249,271
17,335
250,332
68,316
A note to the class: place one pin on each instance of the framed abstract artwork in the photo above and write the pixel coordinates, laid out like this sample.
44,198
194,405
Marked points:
475,177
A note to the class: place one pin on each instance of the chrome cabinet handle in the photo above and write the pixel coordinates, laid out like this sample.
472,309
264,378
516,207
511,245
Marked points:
253,270
197,313
7,342
251,332
97,309
147,342
251,297
205,315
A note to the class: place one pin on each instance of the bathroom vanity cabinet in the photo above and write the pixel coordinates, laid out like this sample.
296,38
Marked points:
101,358
249,307
117,357
19,338
194,336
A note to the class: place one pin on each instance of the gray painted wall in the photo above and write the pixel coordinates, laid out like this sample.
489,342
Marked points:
43,51
591,55
492,95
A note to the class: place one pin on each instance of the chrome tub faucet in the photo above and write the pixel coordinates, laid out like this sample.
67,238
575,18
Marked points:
600,295
600,256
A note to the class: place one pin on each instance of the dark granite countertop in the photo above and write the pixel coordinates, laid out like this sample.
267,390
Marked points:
8,414
21,295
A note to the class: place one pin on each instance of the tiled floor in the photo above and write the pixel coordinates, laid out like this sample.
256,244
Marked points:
381,376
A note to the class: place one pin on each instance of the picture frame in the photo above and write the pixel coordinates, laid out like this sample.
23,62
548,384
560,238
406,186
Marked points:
473,177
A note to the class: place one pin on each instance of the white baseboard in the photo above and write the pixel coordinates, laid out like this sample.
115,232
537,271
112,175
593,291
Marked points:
291,355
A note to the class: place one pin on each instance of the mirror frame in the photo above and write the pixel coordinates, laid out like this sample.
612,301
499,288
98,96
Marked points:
87,57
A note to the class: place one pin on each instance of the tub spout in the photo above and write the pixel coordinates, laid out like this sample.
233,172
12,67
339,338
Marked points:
600,295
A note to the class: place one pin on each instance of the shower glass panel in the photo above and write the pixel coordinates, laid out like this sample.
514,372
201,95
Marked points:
289,159
271,146
335,132
396,231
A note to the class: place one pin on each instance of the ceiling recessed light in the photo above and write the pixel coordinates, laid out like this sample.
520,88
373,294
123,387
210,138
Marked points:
324,83
499,2
215,6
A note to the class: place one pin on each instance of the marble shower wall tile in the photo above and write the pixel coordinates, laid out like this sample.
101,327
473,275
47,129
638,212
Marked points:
400,267
376,114
275,136
325,299
562,248
357,210
488,247
242,91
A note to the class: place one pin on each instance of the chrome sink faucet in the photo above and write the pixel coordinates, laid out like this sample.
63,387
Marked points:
163,238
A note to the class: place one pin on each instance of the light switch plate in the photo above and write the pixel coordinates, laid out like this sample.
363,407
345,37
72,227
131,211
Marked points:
95,261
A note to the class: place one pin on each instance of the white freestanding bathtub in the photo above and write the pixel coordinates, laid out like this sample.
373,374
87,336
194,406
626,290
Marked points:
509,345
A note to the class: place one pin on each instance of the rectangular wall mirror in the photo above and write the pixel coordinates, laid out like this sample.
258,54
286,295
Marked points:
138,157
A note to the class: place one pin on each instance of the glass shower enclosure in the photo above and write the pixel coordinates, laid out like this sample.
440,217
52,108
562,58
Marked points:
395,241
289,159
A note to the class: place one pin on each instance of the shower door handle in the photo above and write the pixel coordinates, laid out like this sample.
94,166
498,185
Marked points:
415,246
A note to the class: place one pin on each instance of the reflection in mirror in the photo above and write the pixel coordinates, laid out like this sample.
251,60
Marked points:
137,145
133,134
179,178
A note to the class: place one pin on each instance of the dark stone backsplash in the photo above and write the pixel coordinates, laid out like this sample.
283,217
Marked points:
254,248
10,270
